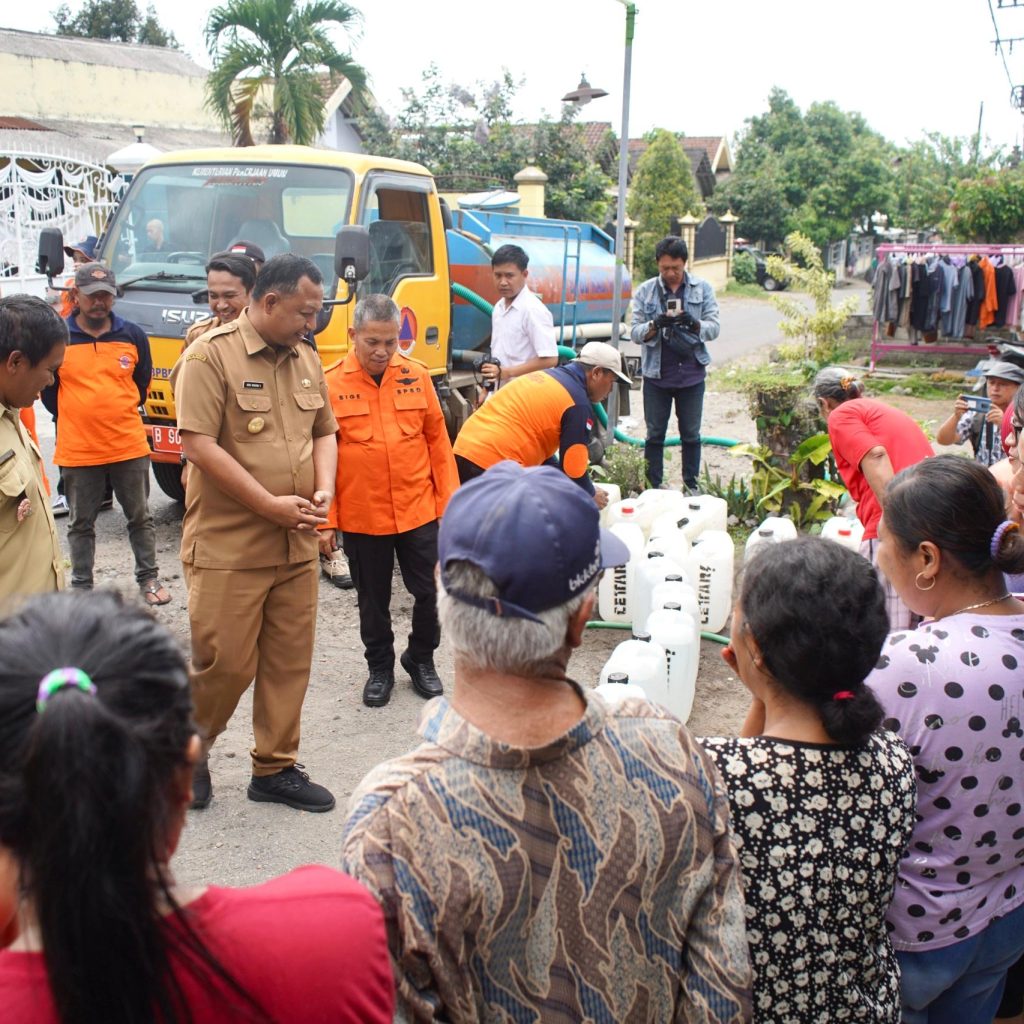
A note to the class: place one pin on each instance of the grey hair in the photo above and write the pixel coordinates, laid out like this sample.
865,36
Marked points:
516,647
838,384
375,309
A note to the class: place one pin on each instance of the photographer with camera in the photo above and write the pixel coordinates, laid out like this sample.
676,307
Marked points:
674,315
979,419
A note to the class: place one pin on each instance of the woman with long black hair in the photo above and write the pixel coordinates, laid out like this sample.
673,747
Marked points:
96,757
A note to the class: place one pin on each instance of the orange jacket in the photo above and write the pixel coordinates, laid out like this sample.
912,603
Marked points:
990,304
396,470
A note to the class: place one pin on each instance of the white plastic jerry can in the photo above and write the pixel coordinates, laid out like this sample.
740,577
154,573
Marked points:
618,688
676,590
614,493
774,530
650,570
643,661
710,569
667,536
716,510
614,592
678,634
844,530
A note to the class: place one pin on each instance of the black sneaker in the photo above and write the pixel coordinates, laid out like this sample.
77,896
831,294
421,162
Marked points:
377,691
291,787
425,680
202,786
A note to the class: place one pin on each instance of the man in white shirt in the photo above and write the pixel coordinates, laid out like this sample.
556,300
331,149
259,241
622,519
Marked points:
522,331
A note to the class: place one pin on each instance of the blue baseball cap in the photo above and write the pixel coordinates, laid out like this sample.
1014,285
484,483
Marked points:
533,532
86,245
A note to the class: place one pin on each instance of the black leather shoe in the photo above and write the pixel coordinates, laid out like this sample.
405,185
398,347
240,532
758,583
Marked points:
377,691
425,680
291,787
202,786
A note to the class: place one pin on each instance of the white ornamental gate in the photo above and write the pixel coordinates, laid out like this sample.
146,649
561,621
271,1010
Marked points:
48,190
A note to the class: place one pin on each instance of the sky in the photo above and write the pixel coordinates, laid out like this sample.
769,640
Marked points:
909,66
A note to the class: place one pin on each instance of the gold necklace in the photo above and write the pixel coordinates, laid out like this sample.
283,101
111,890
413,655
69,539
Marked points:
980,604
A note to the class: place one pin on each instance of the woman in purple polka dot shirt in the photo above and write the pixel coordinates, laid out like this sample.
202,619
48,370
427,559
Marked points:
954,690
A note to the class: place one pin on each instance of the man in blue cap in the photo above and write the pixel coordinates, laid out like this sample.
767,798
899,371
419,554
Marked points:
541,855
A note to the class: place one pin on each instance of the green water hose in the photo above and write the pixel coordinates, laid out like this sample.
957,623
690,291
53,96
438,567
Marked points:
600,624
566,352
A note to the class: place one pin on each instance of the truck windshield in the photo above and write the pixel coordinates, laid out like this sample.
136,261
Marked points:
173,218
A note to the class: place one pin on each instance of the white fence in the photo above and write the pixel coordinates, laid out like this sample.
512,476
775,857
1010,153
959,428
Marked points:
48,190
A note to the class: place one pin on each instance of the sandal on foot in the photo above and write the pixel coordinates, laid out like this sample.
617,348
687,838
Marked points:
154,593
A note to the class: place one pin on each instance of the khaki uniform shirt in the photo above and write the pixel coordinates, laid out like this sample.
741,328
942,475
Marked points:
199,328
30,558
264,405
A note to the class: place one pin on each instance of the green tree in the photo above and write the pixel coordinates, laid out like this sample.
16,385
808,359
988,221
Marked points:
662,188
926,176
282,46
467,139
989,208
117,20
819,173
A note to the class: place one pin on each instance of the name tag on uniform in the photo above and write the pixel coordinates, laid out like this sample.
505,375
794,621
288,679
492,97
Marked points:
252,385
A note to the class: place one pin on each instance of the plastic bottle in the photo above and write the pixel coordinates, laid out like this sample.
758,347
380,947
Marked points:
710,569
677,633
614,592
675,590
617,688
643,662
844,530
774,530
649,572
614,493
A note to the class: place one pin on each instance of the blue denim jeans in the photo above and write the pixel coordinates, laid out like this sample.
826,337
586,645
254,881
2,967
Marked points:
962,983
689,403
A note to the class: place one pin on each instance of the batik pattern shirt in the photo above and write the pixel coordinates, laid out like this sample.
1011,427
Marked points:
590,879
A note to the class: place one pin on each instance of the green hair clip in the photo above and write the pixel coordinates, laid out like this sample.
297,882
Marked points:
57,680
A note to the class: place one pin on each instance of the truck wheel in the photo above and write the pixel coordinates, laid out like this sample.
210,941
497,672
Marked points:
168,476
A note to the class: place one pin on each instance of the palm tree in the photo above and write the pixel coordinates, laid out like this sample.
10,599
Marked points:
282,45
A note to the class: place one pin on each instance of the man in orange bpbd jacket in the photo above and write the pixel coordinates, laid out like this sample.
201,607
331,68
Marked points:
96,398
396,473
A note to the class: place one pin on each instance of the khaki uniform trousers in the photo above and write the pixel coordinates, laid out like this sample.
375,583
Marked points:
253,624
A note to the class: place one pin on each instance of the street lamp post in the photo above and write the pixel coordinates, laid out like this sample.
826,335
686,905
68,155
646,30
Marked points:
620,204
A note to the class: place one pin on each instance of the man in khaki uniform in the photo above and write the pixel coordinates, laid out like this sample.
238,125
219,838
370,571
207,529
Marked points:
258,431
32,342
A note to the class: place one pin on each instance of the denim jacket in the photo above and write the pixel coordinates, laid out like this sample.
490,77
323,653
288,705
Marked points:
649,302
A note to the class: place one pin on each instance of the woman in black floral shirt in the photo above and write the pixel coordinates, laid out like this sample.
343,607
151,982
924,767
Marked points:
822,803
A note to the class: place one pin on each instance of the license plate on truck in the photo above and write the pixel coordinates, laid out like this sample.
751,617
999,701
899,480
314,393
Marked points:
166,439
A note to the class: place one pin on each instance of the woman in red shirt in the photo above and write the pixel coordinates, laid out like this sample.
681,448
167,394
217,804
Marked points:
96,757
871,443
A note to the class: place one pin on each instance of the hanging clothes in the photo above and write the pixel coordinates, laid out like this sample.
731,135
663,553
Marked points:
1005,290
977,293
953,324
990,304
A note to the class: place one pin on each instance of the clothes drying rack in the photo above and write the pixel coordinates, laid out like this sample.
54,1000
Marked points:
886,249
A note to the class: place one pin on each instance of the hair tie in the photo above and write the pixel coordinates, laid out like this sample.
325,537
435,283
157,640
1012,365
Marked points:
845,382
1002,530
60,678
843,695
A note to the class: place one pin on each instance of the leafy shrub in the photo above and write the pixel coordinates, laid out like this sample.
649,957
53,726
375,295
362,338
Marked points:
623,464
744,268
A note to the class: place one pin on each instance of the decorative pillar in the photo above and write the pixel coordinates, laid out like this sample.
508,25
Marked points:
530,182
688,232
729,220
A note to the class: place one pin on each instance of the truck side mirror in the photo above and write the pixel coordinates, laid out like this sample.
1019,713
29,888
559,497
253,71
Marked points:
352,253
51,252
